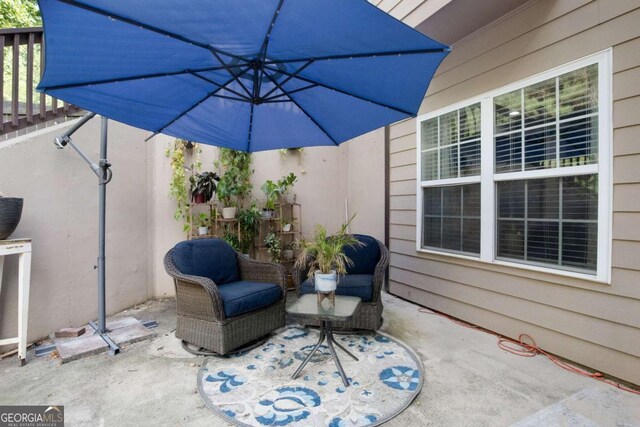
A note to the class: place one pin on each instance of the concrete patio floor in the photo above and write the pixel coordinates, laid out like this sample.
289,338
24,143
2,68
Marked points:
469,381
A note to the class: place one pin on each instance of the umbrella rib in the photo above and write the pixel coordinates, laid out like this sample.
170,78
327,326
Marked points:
142,76
235,77
302,109
244,98
250,127
361,55
150,28
298,71
229,97
304,79
275,98
265,45
188,110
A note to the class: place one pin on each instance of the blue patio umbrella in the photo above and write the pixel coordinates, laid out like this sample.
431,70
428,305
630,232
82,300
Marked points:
250,75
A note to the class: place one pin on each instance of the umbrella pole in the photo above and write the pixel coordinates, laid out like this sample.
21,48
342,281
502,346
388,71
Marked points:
103,170
104,176
102,202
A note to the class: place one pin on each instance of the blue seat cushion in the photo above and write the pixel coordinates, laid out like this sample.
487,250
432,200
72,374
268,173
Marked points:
355,285
242,296
212,258
364,258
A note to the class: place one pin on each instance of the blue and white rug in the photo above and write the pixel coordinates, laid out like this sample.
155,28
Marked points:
255,388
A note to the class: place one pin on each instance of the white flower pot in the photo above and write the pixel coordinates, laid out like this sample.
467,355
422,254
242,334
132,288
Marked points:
203,231
326,282
229,213
286,228
267,214
287,254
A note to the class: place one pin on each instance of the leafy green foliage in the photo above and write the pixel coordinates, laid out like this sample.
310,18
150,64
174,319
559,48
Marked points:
273,190
249,226
235,182
324,253
232,239
203,183
272,242
178,184
19,14
203,220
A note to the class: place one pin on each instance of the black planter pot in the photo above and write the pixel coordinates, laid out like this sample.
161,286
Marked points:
10,213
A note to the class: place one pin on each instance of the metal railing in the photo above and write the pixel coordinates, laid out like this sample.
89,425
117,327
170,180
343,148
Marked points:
21,62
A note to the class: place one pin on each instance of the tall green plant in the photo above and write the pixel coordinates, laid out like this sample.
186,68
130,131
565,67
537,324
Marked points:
324,253
249,226
178,184
235,181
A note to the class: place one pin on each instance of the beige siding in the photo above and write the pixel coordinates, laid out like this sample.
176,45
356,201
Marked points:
594,324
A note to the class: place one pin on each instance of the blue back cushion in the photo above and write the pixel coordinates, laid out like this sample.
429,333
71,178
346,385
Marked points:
364,258
212,258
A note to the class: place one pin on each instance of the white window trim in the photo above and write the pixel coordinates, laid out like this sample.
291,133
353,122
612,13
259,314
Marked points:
488,179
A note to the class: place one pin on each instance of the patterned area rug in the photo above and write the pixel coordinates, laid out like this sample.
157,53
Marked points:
255,388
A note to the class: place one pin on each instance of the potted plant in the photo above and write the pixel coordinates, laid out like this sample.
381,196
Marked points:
249,220
226,194
287,252
286,184
286,226
325,256
10,213
203,185
235,182
203,224
272,243
272,191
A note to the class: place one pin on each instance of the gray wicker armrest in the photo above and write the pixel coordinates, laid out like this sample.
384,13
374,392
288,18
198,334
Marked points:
204,282
379,272
258,271
299,275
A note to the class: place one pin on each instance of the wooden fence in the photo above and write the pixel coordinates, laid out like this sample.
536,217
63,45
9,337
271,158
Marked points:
21,62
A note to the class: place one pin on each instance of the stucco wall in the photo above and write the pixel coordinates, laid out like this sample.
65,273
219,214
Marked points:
60,213
327,177
591,323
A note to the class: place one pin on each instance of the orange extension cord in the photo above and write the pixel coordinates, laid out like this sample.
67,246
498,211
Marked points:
530,349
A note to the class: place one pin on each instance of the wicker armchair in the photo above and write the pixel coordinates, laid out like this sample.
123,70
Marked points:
363,279
224,299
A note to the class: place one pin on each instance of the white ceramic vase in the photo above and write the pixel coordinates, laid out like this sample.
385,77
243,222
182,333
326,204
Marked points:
326,282
202,231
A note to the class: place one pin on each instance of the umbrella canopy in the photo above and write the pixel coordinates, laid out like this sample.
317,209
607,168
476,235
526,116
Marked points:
250,75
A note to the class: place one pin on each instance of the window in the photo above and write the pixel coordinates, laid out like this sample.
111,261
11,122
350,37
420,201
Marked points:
549,221
450,149
452,218
521,175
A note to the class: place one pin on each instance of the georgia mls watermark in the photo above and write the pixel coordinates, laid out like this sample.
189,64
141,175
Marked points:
32,416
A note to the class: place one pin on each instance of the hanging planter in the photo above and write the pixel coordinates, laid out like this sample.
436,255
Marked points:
10,213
